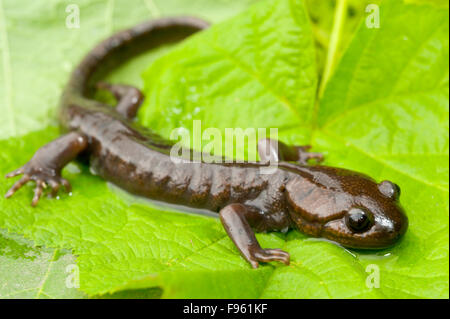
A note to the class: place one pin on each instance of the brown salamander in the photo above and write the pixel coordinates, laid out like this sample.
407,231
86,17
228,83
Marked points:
343,206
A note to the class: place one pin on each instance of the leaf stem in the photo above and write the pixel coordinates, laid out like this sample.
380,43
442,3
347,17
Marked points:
336,31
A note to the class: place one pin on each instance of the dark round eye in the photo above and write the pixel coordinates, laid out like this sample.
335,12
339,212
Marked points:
389,189
358,219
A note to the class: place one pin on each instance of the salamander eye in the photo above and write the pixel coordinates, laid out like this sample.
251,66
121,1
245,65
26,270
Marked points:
389,189
358,219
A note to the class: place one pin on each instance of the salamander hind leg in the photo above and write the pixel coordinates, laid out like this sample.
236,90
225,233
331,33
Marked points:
235,219
275,151
45,166
129,98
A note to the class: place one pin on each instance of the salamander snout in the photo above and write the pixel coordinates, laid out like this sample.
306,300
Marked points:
374,220
388,227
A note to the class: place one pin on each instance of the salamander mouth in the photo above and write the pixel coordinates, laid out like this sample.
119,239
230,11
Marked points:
363,243
379,236
386,228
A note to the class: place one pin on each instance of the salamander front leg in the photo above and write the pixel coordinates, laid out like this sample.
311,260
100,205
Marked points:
274,151
45,166
234,220
129,98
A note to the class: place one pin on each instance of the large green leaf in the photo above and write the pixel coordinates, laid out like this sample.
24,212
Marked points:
385,113
257,70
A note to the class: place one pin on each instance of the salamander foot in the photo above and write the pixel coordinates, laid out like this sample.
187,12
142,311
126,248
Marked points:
267,255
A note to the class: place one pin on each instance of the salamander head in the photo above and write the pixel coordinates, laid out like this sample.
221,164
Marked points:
348,208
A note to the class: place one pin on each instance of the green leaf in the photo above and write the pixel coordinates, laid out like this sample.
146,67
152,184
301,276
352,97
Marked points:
322,18
256,70
34,272
396,79
385,112
118,240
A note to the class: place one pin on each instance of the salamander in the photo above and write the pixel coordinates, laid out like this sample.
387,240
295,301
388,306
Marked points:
343,206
